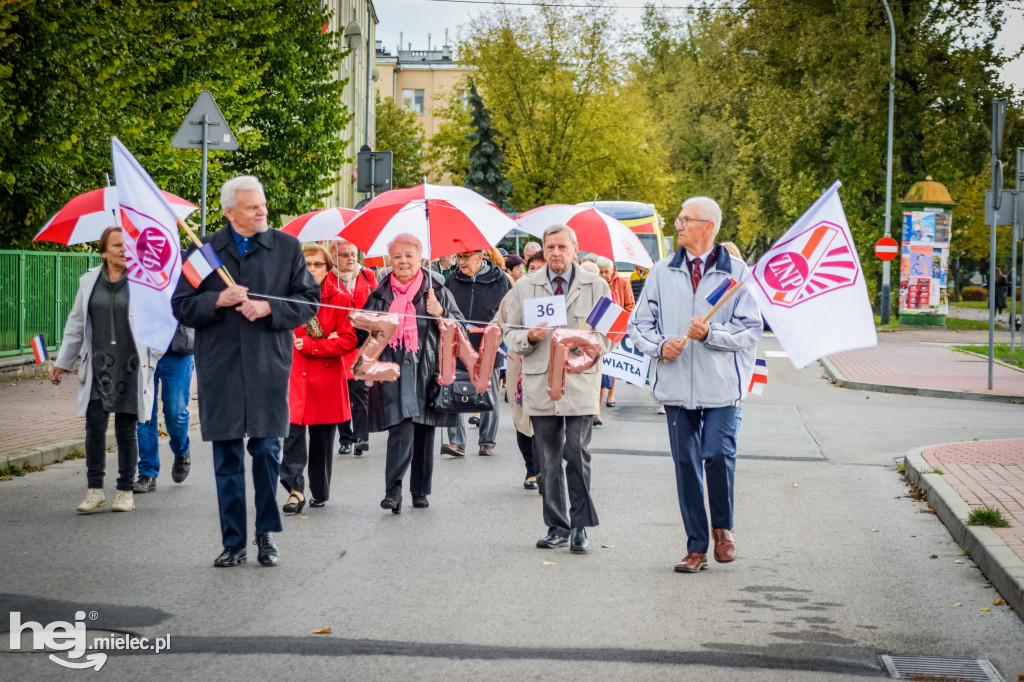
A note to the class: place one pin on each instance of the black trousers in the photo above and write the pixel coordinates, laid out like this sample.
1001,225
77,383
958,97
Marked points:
565,438
356,428
526,448
96,421
320,459
409,445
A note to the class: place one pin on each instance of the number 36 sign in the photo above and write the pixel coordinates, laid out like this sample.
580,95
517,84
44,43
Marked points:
549,309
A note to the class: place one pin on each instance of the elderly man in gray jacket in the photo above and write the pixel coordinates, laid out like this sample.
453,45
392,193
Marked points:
700,372
561,429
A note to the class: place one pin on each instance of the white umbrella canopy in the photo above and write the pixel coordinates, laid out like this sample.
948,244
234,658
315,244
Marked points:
596,231
320,225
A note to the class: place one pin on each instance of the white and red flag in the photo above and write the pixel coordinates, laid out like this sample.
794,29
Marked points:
810,286
150,228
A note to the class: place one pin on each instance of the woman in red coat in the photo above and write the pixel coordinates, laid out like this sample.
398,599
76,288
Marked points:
317,391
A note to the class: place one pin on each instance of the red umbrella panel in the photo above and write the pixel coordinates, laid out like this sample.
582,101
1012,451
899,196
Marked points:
446,219
84,218
596,231
320,225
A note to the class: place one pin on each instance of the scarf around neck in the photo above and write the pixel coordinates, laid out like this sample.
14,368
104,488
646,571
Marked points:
406,336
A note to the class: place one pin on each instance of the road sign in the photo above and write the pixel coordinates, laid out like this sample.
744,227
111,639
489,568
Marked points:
886,248
1004,215
218,133
373,171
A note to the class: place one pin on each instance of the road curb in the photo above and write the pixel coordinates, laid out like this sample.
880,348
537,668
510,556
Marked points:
995,559
837,378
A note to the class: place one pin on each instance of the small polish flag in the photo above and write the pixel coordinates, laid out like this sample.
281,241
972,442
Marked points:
609,319
716,295
760,378
200,265
39,349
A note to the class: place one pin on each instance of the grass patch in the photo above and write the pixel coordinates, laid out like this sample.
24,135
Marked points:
977,305
957,324
1001,351
940,472
965,551
74,454
901,467
987,516
9,470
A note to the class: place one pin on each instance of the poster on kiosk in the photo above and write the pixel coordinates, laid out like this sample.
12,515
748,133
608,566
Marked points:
924,254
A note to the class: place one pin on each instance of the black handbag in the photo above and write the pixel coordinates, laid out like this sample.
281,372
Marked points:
460,396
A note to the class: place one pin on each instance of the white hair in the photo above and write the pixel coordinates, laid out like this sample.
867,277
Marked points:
591,267
230,188
603,262
528,245
556,228
709,210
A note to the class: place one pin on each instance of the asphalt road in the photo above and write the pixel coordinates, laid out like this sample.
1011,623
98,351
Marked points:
835,562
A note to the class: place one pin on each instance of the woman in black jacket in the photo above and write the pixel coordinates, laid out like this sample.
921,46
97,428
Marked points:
401,407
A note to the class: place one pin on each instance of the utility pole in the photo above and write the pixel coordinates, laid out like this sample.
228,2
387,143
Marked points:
998,121
886,287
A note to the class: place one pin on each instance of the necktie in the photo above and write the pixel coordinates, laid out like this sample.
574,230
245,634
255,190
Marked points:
558,286
695,272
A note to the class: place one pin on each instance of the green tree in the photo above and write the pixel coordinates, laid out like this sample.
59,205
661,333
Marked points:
399,131
574,126
133,69
447,152
486,173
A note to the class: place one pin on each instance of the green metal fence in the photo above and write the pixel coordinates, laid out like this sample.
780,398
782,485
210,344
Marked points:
37,290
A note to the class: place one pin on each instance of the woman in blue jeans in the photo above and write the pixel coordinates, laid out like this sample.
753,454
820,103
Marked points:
115,374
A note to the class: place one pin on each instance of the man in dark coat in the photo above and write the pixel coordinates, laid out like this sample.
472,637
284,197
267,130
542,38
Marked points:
243,359
478,286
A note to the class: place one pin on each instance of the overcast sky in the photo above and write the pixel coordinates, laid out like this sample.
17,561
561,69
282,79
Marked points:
418,18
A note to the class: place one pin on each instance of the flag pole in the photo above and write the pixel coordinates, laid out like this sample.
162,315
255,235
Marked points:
222,271
722,301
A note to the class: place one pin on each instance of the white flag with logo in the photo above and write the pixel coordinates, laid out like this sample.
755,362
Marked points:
152,249
810,286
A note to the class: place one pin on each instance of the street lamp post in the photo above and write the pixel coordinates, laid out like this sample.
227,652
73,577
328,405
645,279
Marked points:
886,289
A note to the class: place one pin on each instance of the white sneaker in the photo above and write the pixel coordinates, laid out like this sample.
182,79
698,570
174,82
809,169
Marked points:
124,501
93,501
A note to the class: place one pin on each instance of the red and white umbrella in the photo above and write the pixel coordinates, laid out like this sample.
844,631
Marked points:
84,218
448,219
596,231
319,225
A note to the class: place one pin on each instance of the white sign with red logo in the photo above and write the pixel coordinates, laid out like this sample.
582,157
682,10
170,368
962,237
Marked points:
810,286
152,249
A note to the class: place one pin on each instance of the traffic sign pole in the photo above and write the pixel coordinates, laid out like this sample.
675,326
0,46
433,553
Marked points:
202,216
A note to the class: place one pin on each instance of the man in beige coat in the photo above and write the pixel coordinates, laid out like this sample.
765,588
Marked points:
561,428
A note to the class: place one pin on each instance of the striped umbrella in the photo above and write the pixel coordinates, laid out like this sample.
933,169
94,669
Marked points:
596,231
319,225
84,218
446,219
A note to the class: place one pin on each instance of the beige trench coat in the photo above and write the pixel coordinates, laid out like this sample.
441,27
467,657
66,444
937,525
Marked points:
581,390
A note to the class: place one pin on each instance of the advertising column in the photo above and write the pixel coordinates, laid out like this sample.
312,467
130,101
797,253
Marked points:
924,254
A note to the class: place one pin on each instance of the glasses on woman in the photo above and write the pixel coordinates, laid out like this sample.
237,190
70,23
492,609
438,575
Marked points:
316,265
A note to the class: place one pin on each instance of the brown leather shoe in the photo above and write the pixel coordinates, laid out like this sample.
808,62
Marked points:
725,548
692,563
452,449
486,451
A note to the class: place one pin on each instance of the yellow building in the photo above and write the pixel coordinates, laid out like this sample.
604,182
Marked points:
419,79
357,21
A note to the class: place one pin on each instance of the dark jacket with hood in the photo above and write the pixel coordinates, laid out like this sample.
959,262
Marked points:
479,296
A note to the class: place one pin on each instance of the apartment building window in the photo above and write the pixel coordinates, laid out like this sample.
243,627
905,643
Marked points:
413,100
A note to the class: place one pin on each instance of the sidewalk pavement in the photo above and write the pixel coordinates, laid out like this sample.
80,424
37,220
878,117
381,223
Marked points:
974,474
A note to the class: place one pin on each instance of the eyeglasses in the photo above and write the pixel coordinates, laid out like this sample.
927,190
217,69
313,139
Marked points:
685,222
319,264
465,256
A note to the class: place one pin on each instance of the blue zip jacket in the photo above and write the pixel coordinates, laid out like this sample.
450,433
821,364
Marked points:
709,373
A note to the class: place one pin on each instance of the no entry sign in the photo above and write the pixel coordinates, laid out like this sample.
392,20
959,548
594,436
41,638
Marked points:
886,248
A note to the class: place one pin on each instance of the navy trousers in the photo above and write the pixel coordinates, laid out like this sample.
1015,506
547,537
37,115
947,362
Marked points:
229,468
703,442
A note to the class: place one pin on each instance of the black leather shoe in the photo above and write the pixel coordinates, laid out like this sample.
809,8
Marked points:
420,501
294,507
316,504
268,554
578,542
145,484
231,556
530,483
393,502
362,445
181,467
345,449
597,421
554,539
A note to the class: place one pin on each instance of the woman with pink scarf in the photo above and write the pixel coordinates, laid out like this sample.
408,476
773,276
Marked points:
400,407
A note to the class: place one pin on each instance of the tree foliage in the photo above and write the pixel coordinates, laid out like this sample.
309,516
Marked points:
486,173
133,69
399,131
556,85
